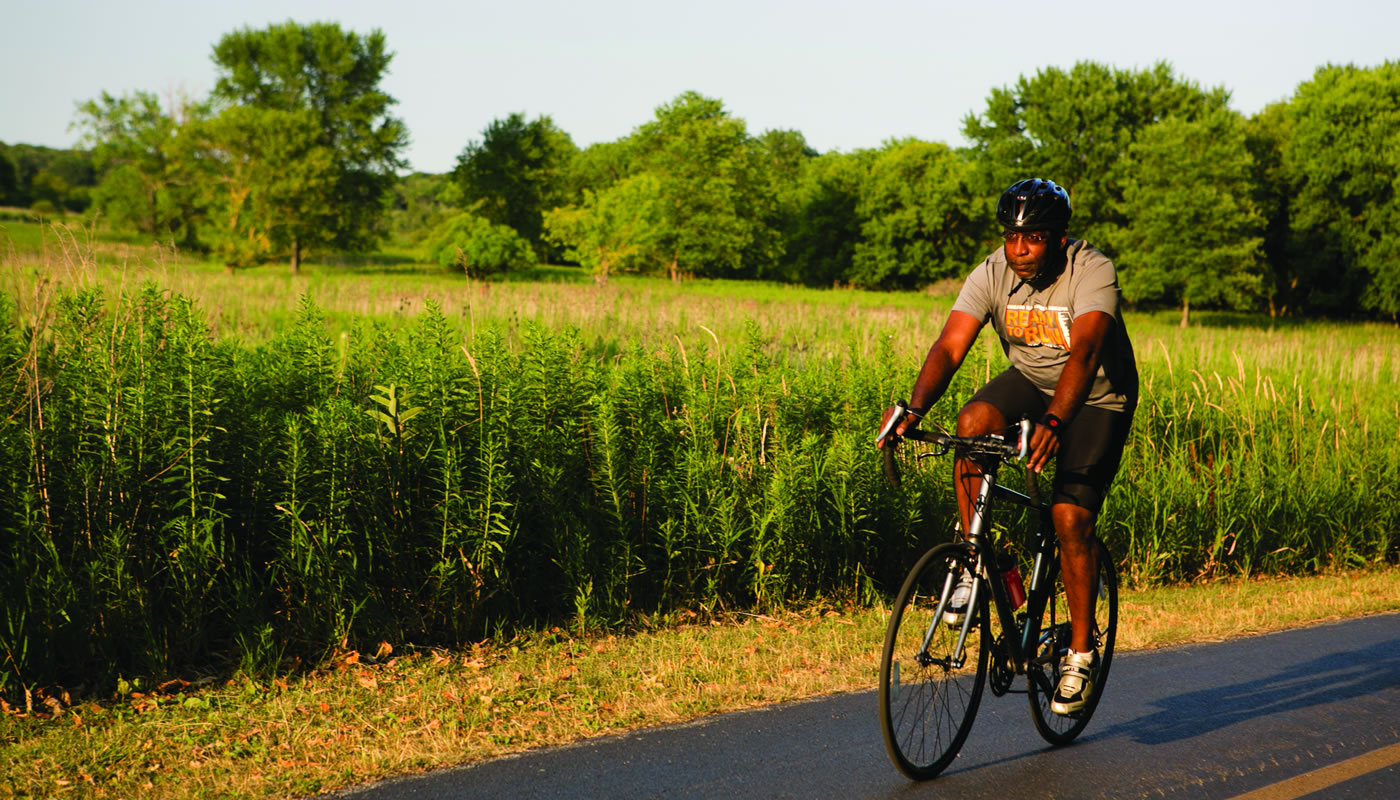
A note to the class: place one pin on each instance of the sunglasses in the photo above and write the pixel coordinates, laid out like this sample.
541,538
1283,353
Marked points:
1033,237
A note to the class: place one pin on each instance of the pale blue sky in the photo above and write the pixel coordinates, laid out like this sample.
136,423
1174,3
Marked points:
846,74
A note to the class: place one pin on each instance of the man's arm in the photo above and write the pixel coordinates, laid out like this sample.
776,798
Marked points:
941,363
1087,339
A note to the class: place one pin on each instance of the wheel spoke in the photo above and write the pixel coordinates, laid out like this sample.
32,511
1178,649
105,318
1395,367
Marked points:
1044,667
928,704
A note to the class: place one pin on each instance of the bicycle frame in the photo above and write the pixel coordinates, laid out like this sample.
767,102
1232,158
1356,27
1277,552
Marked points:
979,542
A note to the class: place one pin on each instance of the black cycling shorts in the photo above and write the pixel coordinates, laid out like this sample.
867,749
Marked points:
1091,444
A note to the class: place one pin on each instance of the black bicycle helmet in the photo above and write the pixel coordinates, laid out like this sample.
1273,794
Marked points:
1034,205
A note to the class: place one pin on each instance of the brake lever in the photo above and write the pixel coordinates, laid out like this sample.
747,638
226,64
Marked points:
900,409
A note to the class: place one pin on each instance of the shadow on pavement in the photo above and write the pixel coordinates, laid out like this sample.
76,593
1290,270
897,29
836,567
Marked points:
1322,680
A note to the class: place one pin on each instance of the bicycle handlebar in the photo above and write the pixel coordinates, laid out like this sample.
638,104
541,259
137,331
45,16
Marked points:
988,444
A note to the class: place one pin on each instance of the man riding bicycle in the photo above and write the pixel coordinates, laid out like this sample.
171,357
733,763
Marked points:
1055,303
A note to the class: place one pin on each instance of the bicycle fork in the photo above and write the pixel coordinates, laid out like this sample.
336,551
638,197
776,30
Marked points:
980,568
959,656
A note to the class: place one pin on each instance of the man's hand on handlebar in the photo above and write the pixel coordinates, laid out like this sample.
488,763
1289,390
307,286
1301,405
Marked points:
904,419
1045,442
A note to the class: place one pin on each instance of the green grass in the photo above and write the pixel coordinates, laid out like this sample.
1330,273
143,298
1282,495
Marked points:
245,472
363,717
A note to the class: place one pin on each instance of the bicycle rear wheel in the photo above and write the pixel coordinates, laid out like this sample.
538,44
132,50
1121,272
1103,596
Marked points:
929,695
1043,673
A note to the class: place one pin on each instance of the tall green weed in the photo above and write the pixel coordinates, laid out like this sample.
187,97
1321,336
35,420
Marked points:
176,500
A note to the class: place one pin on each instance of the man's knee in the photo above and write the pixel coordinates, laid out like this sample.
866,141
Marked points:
1074,525
977,418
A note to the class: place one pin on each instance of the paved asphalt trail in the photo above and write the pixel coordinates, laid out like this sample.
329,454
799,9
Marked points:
1199,721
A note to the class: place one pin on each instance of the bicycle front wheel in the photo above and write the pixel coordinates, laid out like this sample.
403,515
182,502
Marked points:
929,686
1043,672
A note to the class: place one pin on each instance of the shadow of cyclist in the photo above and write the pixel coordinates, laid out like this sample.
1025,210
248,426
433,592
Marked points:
1326,679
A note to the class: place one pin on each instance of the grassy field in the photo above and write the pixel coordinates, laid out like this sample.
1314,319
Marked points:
323,484
365,716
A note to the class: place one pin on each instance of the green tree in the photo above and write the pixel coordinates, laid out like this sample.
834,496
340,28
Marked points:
145,186
423,201
479,247
1342,160
922,218
1193,234
1289,287
68,180
9,178
57,178
618,228
598,167
718,198
1074,128
270,184
50,190
786,154
332,77
819,240
517,172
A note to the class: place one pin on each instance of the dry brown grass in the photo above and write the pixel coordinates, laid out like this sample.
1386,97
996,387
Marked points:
363,718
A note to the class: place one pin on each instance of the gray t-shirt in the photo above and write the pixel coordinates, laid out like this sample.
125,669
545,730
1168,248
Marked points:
1035,320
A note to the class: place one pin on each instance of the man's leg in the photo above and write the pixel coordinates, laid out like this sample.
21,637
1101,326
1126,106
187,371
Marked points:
975,419
1074,526
1090,450
1002,400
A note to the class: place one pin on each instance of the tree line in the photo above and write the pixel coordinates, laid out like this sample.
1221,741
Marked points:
1292,209
46,179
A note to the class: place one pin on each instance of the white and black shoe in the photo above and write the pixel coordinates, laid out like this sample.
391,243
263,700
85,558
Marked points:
1078,672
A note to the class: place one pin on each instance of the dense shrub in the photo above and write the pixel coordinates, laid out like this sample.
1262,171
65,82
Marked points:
470,243
169,502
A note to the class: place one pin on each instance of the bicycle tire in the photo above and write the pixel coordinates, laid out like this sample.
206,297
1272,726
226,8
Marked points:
1043,671
926,720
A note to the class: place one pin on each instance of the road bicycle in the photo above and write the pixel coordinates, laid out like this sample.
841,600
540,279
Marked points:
932,673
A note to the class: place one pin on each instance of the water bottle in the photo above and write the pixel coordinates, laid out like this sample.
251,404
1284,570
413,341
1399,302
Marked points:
1012,578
